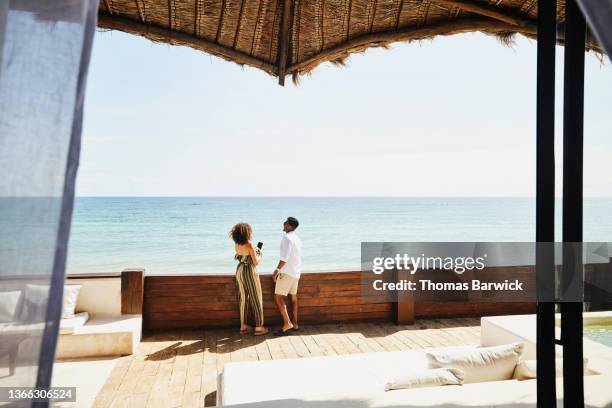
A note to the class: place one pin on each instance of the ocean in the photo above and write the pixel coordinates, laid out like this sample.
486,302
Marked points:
181,235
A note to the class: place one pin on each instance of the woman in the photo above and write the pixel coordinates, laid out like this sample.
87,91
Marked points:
249,287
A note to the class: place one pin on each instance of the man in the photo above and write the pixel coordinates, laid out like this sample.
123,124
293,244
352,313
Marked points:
287,275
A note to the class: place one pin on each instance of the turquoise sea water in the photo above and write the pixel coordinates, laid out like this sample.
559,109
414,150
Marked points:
189,235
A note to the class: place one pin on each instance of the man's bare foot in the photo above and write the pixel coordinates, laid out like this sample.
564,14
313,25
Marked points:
245,329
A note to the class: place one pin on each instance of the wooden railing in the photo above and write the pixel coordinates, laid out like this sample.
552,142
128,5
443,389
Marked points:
206,301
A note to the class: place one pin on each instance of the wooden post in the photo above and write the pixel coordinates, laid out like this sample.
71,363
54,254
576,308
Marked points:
404,308
573,117
545,202
132,291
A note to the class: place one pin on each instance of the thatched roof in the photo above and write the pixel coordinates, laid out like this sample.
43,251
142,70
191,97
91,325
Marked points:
292,37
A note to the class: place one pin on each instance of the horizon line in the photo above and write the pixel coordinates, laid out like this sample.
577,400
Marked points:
320,196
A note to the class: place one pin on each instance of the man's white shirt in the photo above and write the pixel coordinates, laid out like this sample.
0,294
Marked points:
291,254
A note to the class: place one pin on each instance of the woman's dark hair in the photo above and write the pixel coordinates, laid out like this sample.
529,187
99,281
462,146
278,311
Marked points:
241,233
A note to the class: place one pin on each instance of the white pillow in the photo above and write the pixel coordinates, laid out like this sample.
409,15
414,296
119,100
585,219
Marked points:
527,369
427,378
37,295
479,364
9,305
71,293
35,298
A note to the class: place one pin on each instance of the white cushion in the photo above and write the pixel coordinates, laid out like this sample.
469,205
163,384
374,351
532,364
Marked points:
67,326
35,299
20,328
479,364
71,293
9,305
427,378
527,369
36,296
251,381
100,297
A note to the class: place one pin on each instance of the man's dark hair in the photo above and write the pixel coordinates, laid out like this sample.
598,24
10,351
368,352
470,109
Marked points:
293,222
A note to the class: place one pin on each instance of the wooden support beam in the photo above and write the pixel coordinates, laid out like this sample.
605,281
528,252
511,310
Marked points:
161,34
405,312
405,305
573,148
545,203
132,291
410,33
484,9
109,9
283,40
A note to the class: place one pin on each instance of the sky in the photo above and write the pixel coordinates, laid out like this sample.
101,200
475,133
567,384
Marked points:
454,116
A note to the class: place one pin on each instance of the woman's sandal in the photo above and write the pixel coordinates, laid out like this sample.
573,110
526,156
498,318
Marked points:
260,332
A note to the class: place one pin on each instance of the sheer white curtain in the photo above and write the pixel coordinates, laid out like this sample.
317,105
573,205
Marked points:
44,55
598,15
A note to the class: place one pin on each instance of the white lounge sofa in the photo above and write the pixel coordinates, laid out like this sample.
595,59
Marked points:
496,394
99,328
358,380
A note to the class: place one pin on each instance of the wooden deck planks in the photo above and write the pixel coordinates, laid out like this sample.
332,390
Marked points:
180,368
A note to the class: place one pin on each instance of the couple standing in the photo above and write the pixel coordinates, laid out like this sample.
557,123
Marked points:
286,277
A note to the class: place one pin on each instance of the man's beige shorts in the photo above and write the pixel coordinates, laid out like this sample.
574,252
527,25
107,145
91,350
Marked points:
286,285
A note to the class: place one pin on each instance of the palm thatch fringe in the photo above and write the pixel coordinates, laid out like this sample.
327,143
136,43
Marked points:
293,37
163,35
408,34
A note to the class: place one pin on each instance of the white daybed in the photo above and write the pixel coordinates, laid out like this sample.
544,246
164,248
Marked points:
358,381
